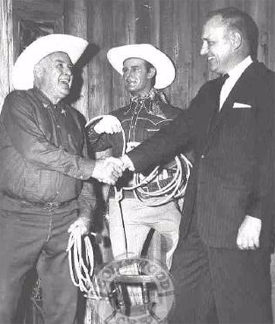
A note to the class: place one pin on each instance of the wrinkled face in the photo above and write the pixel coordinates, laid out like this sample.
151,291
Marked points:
55,74
217,46
136,77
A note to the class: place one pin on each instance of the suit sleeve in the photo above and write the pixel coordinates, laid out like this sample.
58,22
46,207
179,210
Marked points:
87,197
168,141
262,193
97,142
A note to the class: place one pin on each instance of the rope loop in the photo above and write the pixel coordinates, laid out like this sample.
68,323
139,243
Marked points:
81,260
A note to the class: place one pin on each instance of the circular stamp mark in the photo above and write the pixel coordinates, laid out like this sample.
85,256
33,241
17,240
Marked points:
132,290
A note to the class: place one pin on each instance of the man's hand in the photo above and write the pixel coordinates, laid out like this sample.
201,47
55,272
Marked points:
108,170
81,224
249,233
127,162
108,124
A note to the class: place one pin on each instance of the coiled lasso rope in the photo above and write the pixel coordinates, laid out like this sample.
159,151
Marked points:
81,260
174,189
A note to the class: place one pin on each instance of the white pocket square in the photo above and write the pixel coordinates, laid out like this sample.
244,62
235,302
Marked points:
241,105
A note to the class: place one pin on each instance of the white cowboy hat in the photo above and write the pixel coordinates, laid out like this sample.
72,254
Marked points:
164,66
23,68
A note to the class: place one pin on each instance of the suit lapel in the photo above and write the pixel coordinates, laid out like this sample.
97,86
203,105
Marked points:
237,92
213,106
220,116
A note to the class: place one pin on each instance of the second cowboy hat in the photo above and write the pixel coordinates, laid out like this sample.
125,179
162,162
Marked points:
164,66
23,68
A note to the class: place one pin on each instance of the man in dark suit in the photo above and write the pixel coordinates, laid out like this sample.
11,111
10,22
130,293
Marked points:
221,266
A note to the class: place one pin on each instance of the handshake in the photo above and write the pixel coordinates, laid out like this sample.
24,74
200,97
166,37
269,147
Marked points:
110,169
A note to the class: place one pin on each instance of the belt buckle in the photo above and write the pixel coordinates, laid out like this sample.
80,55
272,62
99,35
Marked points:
51,205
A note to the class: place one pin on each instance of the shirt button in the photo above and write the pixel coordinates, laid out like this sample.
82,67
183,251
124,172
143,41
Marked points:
202,156
57,126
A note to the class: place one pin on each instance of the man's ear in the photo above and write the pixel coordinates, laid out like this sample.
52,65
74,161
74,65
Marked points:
38,70
236,39
152,72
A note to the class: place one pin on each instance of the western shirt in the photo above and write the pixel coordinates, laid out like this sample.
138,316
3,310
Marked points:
43,152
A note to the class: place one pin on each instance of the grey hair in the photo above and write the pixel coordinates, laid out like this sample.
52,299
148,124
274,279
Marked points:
236,19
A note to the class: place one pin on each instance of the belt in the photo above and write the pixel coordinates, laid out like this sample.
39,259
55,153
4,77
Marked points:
151,187
44,205
126,194
47,205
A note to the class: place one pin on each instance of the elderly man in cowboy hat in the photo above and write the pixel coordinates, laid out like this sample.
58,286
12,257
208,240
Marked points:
145,70
44,173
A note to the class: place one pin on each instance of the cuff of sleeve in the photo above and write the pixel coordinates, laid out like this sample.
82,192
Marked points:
86,167
90,126
128,162
85,215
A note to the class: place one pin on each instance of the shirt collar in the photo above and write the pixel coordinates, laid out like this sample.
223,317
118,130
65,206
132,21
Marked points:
46,101
144,101
234,76
151,102
237,71
150,95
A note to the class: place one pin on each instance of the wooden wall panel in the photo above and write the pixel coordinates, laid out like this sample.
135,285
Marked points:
271,34
39,7
168,37
6,48
124,33
179,45
100,75
75,23
154,21
143,30
110,23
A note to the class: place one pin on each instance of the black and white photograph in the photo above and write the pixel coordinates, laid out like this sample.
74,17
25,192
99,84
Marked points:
137,162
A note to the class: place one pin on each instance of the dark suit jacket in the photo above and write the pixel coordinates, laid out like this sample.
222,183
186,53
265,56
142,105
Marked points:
233,174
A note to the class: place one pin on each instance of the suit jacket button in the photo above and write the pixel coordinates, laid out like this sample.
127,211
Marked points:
202,156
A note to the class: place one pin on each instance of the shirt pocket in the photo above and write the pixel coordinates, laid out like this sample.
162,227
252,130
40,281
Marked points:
153,125
40,185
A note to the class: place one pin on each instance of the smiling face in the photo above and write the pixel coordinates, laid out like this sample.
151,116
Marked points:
137,78
54,76
219,45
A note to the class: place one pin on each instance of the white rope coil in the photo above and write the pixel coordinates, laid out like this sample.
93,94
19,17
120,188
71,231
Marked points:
175,189
81,260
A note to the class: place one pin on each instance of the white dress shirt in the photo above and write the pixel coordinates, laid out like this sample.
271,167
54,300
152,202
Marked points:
234,75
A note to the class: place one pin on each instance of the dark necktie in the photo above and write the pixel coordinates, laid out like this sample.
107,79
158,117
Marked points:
220,83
